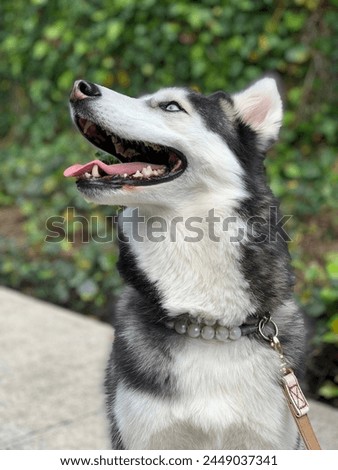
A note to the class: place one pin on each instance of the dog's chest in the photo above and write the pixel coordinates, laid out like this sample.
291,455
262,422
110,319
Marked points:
227,397
202,277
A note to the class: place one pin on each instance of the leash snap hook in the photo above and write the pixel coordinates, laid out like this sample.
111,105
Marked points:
275,344
262,324
273,340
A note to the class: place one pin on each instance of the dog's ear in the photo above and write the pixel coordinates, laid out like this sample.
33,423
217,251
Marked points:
260,107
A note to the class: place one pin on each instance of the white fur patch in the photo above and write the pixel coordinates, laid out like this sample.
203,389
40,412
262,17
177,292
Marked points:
233,402
200,277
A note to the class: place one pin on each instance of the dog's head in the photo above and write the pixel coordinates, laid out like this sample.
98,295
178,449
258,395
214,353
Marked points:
174,144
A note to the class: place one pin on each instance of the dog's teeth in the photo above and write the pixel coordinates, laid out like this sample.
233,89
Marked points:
177,166
87,126
88,175
113,139
95,171
147,171
125,175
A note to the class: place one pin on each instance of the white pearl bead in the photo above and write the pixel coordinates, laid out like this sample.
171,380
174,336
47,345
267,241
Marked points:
208,332
222,333
235,333
194,331
181,326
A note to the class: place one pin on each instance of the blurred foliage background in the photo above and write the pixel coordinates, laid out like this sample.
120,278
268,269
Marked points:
137,46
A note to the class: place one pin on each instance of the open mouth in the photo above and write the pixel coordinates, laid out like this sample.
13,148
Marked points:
132,163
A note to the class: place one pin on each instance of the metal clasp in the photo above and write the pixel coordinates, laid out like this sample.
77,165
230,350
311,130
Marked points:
273,340
263,323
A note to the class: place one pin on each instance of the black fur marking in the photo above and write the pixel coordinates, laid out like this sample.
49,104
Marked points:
265,259
141,349
133,276
210,110
141,353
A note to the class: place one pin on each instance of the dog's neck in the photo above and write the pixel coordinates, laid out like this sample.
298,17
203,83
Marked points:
193,261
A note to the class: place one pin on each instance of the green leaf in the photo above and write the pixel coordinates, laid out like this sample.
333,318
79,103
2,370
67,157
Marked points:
328,390
298,54
113,30
292,170
40,50
294,21
330,338
332,266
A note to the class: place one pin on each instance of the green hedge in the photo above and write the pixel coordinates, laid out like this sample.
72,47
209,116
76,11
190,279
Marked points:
137,46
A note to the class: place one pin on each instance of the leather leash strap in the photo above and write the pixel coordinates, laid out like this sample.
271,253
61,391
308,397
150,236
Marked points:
307,432
295,397
299,408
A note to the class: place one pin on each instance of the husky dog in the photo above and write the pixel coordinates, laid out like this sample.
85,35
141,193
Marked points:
189,368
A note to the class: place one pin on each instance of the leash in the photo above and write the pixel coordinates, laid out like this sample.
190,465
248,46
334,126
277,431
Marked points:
296,400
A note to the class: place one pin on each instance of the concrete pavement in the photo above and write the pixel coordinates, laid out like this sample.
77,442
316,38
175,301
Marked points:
52,364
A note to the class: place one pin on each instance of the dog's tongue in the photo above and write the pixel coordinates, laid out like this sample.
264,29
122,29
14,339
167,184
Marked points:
115,169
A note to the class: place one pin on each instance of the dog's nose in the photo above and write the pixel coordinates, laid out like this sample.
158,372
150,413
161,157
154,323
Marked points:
83,89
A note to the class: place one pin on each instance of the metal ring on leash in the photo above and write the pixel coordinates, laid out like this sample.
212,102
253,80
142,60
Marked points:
263,323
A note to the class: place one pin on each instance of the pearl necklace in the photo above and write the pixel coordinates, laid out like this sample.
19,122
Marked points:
211,329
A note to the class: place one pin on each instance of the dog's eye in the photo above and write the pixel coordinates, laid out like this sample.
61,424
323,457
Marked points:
172,107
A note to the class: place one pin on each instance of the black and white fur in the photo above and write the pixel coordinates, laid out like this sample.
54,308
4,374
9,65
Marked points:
164,390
